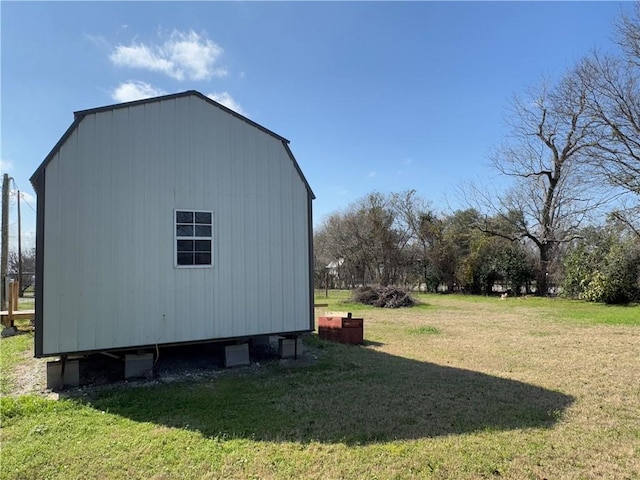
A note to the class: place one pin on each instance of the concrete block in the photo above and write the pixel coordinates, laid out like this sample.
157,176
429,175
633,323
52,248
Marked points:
235,355
9,331
71,373
289,347
138,365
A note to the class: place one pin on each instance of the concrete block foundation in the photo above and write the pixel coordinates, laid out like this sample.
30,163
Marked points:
290,347
235,355
71,373
138,365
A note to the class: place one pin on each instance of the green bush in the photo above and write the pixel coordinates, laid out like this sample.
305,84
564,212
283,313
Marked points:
607,272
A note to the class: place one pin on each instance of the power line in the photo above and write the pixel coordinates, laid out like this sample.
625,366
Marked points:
22,196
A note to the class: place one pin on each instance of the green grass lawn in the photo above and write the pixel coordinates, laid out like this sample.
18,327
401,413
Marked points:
460,388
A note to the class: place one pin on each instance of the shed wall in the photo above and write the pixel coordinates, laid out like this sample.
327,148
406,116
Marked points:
109,279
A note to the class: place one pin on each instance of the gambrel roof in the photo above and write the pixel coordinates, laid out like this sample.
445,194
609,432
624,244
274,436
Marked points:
79,116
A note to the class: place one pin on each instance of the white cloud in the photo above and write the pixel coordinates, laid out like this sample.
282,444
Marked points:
183,56
225,99
141,56
372,174
5,165
135,90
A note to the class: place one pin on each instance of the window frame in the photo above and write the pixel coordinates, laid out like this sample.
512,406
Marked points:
192,237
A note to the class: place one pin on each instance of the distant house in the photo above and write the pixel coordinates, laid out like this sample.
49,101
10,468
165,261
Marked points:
170,220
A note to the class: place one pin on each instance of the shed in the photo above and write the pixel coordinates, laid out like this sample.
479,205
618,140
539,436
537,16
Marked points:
166,221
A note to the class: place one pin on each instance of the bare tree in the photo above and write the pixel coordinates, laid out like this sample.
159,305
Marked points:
384,237
420,227
551,132
614,104
629,34
28,268
370,240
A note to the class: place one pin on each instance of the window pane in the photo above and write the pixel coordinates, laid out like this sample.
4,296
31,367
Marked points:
184,230
189,226
185,259
185,245
203,246
202,259
184,217
203,231
203,217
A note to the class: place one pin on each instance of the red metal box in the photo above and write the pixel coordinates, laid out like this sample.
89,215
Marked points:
341,329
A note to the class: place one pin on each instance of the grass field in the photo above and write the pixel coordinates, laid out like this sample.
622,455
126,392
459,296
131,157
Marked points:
460,387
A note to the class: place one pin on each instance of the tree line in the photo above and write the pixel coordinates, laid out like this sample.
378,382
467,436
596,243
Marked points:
572,153
399,239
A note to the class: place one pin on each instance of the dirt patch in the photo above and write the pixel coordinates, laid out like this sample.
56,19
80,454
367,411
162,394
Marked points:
29,376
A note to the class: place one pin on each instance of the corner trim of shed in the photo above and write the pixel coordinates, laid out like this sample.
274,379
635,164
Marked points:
39,186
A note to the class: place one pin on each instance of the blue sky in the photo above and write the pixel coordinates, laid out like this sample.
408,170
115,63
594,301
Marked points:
373,96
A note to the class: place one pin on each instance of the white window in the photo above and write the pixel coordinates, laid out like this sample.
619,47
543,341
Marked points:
193,238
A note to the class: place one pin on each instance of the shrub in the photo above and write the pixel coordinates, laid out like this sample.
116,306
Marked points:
384,297
608,272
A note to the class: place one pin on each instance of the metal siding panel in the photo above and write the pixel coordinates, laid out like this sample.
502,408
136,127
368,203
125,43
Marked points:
61,285
287,271
282,222
263,221
193,190
89,247
122,314
208,185
301,266
277,252
225,208
134,144
157,223
300,276
222,205
127,159
239,237
195,150
252,235
70,240
102,273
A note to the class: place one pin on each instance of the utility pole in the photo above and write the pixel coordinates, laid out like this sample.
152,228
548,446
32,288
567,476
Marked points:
20,290
5,239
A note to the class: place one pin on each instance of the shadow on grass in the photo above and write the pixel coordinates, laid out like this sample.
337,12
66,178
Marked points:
352,395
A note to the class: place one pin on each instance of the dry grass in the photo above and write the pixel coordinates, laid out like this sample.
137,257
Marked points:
461,388
598,435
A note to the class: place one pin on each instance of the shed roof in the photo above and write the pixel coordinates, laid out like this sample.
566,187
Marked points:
80,114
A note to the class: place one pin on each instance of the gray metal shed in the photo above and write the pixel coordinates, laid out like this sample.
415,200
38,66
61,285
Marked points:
170,220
